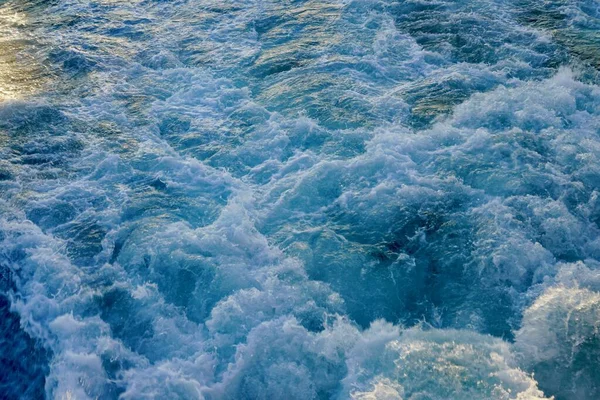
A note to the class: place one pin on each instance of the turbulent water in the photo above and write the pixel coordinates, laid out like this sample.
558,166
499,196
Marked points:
300,199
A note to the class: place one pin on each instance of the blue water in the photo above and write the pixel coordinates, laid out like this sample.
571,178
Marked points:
300,199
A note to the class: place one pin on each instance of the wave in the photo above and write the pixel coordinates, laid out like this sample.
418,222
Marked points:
320,199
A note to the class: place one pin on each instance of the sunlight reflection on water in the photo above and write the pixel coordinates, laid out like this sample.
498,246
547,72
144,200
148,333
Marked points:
21,73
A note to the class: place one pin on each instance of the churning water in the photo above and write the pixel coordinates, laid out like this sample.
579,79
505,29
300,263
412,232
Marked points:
300,199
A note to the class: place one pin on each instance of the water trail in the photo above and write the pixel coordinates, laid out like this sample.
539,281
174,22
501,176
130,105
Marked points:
299,199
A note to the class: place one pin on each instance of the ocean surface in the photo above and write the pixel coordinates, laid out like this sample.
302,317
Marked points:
300,199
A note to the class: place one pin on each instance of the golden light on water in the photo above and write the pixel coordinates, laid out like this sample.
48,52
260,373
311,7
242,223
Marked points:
21,74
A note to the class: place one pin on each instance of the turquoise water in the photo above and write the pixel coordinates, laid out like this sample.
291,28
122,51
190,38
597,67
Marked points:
352,199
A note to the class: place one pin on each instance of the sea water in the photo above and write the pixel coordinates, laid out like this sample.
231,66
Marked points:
300,199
